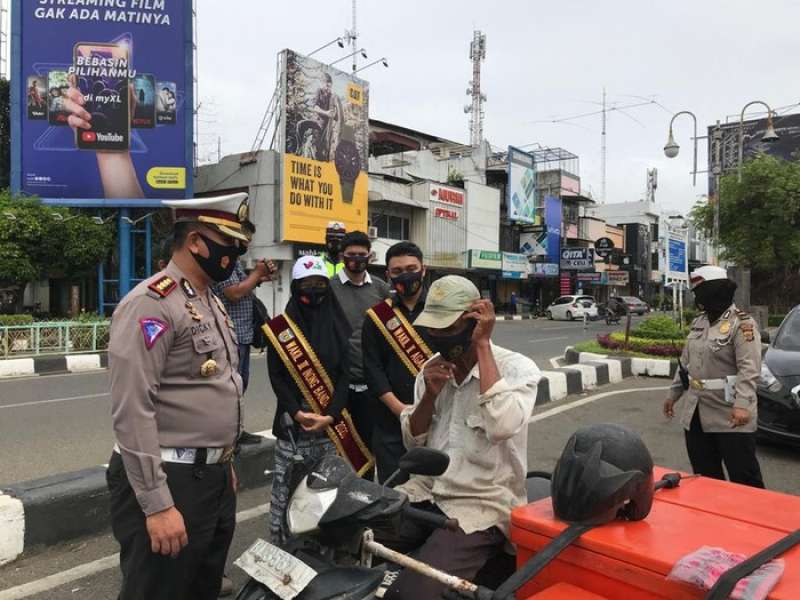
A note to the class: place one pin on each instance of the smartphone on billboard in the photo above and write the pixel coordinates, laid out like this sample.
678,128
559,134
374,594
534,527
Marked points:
57,86
166,102
37,98
144,94
101,75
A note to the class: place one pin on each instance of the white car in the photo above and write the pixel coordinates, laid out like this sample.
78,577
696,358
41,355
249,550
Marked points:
572,307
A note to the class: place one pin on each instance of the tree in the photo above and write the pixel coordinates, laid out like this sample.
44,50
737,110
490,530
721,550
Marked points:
759,219
36,243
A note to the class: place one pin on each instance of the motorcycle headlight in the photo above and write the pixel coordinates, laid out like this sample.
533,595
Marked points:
768,380
307,507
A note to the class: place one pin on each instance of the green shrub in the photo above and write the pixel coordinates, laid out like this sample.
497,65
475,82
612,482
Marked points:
652,347
690,314
15,320
660,327
775,320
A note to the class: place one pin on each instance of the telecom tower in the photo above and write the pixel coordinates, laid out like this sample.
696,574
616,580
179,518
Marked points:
477,53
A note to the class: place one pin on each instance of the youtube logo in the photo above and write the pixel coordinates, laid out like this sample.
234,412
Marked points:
88,136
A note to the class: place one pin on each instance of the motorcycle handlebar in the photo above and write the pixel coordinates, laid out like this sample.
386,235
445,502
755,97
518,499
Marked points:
428,518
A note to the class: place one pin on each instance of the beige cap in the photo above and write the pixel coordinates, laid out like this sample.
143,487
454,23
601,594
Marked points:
448,298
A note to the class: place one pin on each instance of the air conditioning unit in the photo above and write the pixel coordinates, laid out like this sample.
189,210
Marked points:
372,233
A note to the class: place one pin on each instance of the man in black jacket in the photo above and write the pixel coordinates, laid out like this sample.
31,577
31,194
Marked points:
396,352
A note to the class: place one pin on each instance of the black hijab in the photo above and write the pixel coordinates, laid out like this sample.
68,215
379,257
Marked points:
325,326
714,297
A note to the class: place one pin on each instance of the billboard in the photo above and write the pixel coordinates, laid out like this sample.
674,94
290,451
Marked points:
325,141
102,101
515,266
521,188
577,259
677,267
552,222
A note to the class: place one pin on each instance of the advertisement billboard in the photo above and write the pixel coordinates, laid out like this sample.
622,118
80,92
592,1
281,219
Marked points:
521,189
577,259
552,222
677,267
102,104
325,139
515,266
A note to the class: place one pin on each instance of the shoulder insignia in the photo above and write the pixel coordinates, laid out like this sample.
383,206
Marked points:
187,288
219,304
748,331
152,329
743,314
163,286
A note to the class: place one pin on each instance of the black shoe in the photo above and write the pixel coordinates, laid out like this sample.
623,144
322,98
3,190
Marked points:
250,438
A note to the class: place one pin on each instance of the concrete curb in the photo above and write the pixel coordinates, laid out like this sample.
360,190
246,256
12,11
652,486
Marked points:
620,367
70,505
52,365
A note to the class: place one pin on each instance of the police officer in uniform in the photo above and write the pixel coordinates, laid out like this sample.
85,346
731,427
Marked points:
722,358
334,234
175,395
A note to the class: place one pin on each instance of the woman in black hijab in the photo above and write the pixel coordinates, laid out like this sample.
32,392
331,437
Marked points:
316,313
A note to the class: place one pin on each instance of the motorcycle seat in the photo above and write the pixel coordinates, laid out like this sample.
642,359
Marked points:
344,582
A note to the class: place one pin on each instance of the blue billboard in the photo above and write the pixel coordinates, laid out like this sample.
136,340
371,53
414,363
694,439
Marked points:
552,233
102,104
676,258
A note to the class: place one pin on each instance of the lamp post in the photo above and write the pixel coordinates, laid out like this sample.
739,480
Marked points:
338,41
383,60
671,148
362,51
769,134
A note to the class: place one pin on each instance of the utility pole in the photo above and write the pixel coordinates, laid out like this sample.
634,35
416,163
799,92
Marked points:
353,38
603,151
477,53
716,170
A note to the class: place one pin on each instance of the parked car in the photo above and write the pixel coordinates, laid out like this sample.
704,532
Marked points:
634,304
572,307
779,388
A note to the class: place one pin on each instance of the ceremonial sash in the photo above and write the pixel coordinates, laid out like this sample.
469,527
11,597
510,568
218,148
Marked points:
316,387
401,336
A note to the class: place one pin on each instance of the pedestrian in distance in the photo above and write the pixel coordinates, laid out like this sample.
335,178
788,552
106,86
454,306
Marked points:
357,291
237,294
397,351
309,373
176,412
334,234
720,368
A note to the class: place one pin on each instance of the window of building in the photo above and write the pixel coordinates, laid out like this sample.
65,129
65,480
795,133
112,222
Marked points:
391,226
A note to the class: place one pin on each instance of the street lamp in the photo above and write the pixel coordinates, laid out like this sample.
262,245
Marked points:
671,148
769,135
137,221
362,51
61,219
384,61
338,41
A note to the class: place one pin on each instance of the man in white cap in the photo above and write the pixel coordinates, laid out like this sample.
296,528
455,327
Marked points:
722,365
472,400
176,412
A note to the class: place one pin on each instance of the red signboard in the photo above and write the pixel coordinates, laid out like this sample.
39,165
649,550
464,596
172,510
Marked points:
448,196
446,213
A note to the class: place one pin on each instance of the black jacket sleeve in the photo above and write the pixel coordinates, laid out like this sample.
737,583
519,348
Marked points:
375,350
341,391
284,387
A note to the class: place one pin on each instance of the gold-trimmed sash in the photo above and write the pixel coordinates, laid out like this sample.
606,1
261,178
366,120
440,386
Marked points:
317,388
401,336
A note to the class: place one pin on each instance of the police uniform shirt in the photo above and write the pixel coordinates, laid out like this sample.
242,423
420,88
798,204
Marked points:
174,379
729,346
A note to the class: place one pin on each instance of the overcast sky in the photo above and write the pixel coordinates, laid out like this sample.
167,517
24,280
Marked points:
544,60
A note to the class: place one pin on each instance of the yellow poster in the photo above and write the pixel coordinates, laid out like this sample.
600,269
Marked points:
326,143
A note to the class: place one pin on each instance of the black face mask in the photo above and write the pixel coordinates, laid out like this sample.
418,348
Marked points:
407,284
452,347
312,297
221,260
356,264
714,297
332,248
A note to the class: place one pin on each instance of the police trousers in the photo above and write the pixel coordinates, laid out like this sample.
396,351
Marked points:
708,451
205,497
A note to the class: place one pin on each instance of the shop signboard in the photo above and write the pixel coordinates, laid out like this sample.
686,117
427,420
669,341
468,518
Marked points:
521,189
577,259
543,270
129,65
603,247
485,259
324,142
515,266
616,278
589,277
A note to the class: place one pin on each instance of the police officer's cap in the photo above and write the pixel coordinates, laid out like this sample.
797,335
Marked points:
226,213
707,273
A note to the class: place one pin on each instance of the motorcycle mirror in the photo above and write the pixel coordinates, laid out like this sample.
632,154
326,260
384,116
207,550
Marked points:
288,426
424,461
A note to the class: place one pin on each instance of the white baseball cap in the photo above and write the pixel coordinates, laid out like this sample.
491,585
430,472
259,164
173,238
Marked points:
309,266
707,273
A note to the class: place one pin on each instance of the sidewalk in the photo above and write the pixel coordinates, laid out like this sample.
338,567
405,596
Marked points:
52,364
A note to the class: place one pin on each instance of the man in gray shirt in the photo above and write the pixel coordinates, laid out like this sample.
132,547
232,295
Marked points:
357,291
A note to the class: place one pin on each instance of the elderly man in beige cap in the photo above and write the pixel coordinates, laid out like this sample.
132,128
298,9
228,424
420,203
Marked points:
472,400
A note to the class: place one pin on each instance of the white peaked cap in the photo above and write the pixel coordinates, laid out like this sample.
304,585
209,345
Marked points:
707,273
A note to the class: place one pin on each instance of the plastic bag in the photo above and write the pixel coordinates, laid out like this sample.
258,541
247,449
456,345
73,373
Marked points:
704,566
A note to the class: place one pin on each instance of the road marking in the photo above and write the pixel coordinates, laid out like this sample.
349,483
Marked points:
55,400
552,339
578,403
96,566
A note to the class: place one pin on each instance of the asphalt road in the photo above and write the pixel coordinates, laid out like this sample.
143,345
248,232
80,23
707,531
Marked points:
635,402
61,423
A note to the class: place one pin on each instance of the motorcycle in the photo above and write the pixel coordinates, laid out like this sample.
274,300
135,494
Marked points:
330,517
612,317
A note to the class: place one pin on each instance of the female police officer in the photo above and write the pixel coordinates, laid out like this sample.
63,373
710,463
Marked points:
723,359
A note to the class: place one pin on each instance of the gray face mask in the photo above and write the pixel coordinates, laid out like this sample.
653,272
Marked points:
453,346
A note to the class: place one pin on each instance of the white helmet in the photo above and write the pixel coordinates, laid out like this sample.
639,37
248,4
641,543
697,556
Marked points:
706,273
